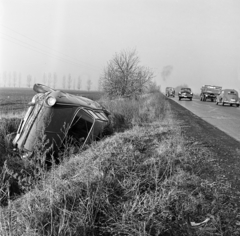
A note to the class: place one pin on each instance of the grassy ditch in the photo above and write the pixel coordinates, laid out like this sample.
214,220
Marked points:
145,180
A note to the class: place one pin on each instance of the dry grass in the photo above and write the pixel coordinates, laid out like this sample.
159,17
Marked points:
143,181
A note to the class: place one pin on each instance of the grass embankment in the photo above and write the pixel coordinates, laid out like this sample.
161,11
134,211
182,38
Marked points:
143,181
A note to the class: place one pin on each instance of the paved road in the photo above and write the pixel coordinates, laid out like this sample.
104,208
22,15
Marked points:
226,118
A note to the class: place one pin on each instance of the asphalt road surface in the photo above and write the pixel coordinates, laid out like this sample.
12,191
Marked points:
226,118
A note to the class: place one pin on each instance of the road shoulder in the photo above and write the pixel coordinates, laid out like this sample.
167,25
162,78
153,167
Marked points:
224,149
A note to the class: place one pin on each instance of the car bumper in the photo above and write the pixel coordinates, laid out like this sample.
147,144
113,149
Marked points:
210,96
185,96
231,102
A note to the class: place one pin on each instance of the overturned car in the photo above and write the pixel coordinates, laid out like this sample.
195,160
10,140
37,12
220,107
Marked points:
59,117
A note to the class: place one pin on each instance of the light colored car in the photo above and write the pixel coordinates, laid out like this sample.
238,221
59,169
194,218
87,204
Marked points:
185,93
228,96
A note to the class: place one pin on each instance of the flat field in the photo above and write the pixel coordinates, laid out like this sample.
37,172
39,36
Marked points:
15,100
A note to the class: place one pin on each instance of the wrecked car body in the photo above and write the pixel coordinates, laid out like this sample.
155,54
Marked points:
59,117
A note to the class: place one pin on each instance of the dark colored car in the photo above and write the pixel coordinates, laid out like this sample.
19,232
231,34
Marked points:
228,96
210,92
170,92
59,117
185,93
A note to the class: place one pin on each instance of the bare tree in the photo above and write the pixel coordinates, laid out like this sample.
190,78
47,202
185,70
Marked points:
166,72
69,81
4,78
89,84
73,83
64,81
19,80
14,79
100,84
29,79
79,82
9,79
54,80
124,77
153,87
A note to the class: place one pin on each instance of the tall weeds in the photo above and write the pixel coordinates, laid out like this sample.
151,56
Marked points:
139,182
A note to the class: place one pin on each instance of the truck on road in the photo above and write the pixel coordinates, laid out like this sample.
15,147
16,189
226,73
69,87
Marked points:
210,92
170,92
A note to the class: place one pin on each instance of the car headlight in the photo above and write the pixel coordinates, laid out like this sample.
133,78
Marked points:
51,101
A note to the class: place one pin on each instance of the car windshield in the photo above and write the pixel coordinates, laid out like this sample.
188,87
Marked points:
211,88
186,89
232,92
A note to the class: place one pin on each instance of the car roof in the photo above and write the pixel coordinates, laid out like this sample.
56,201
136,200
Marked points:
227,90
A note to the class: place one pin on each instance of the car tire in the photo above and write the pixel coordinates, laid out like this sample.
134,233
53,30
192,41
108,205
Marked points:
237,105
230,105
190,99
179,99
222,103
211,100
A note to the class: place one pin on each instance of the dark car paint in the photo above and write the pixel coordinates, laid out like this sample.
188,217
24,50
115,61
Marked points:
185,93
54,122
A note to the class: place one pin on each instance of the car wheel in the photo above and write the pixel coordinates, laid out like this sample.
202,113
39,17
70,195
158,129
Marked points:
190,99
222,103
179,99
237,105
231,105
211,100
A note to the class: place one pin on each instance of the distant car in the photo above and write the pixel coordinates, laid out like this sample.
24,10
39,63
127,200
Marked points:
170,92
228,96
210,92
185,93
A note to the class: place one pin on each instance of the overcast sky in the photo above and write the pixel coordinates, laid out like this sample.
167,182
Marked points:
199,39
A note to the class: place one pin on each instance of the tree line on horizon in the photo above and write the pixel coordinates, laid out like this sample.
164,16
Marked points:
122,77
51,79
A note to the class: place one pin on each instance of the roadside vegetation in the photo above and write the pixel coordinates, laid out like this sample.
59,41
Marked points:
143,180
